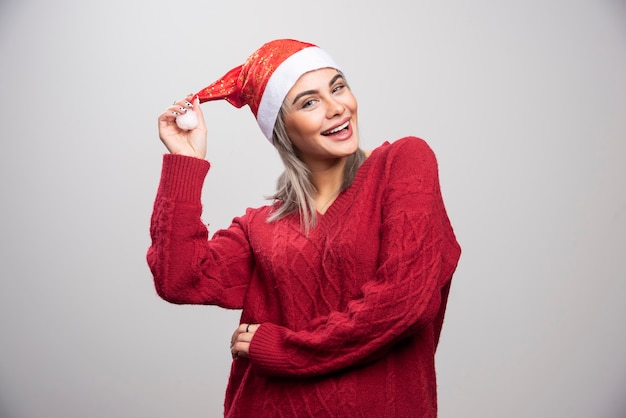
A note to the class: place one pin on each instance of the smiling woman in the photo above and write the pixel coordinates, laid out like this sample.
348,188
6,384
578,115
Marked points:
319,117
343,279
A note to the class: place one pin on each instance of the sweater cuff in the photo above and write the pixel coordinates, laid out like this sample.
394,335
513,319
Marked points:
182,177
265,352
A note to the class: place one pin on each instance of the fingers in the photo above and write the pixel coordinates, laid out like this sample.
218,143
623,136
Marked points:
180,107
241,339
177,108
183,130
250,328
244,332
240,350
196,108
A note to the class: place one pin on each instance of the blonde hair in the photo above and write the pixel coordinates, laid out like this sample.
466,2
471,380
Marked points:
294,187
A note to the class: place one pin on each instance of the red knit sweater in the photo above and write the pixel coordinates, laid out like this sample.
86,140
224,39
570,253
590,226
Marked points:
351,314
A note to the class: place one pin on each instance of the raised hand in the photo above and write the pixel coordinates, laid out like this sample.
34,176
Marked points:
180,141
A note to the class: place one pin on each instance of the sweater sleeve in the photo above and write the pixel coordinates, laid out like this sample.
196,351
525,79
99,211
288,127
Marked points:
417,258
188,268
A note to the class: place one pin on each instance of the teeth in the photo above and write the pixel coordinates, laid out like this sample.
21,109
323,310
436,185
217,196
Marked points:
337,129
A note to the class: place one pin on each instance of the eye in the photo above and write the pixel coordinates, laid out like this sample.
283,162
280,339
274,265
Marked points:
308,103
338,87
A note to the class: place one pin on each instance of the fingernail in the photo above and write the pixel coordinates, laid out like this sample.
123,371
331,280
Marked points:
188,104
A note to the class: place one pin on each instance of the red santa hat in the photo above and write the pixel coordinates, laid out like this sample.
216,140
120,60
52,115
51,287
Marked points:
266,77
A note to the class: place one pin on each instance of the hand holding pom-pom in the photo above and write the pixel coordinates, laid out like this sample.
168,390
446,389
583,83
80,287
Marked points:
182,129
187,121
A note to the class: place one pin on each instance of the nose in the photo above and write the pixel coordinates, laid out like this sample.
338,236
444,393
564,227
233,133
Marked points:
334,108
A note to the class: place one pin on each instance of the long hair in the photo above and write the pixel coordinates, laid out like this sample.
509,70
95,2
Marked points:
294,187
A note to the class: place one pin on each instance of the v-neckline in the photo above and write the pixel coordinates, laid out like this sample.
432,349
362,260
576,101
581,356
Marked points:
343,197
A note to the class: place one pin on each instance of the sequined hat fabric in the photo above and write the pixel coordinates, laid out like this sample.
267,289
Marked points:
266,77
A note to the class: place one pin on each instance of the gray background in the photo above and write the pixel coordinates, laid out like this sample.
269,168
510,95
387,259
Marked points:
523,102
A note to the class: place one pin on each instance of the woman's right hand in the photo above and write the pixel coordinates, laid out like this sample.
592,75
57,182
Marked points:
191,143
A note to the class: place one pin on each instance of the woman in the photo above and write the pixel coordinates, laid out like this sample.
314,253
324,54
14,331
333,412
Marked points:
343,279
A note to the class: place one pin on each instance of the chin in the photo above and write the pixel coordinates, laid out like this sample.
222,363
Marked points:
354,144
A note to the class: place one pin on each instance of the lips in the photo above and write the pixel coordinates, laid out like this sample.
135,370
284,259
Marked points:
337,128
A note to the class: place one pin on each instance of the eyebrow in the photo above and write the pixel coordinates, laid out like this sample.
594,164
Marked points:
304,93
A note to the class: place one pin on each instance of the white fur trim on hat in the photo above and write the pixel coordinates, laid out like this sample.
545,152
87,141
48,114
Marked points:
283,79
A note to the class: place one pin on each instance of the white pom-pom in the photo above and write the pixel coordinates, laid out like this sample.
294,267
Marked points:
187,121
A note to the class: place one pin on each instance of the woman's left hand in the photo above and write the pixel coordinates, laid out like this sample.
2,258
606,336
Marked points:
240,341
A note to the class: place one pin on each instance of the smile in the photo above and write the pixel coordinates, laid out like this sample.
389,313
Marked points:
337,129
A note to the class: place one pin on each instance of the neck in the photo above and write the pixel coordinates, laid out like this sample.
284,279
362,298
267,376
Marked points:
329,178
327,181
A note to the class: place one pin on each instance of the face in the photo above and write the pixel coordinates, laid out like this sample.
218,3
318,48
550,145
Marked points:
321,117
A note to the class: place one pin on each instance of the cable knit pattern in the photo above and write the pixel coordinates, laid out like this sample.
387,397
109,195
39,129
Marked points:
351,314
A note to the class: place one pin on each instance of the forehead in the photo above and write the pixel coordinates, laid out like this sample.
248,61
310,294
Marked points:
313,80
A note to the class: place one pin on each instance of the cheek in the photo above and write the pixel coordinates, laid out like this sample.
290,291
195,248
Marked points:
294,131
354,106
303,126
292,126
